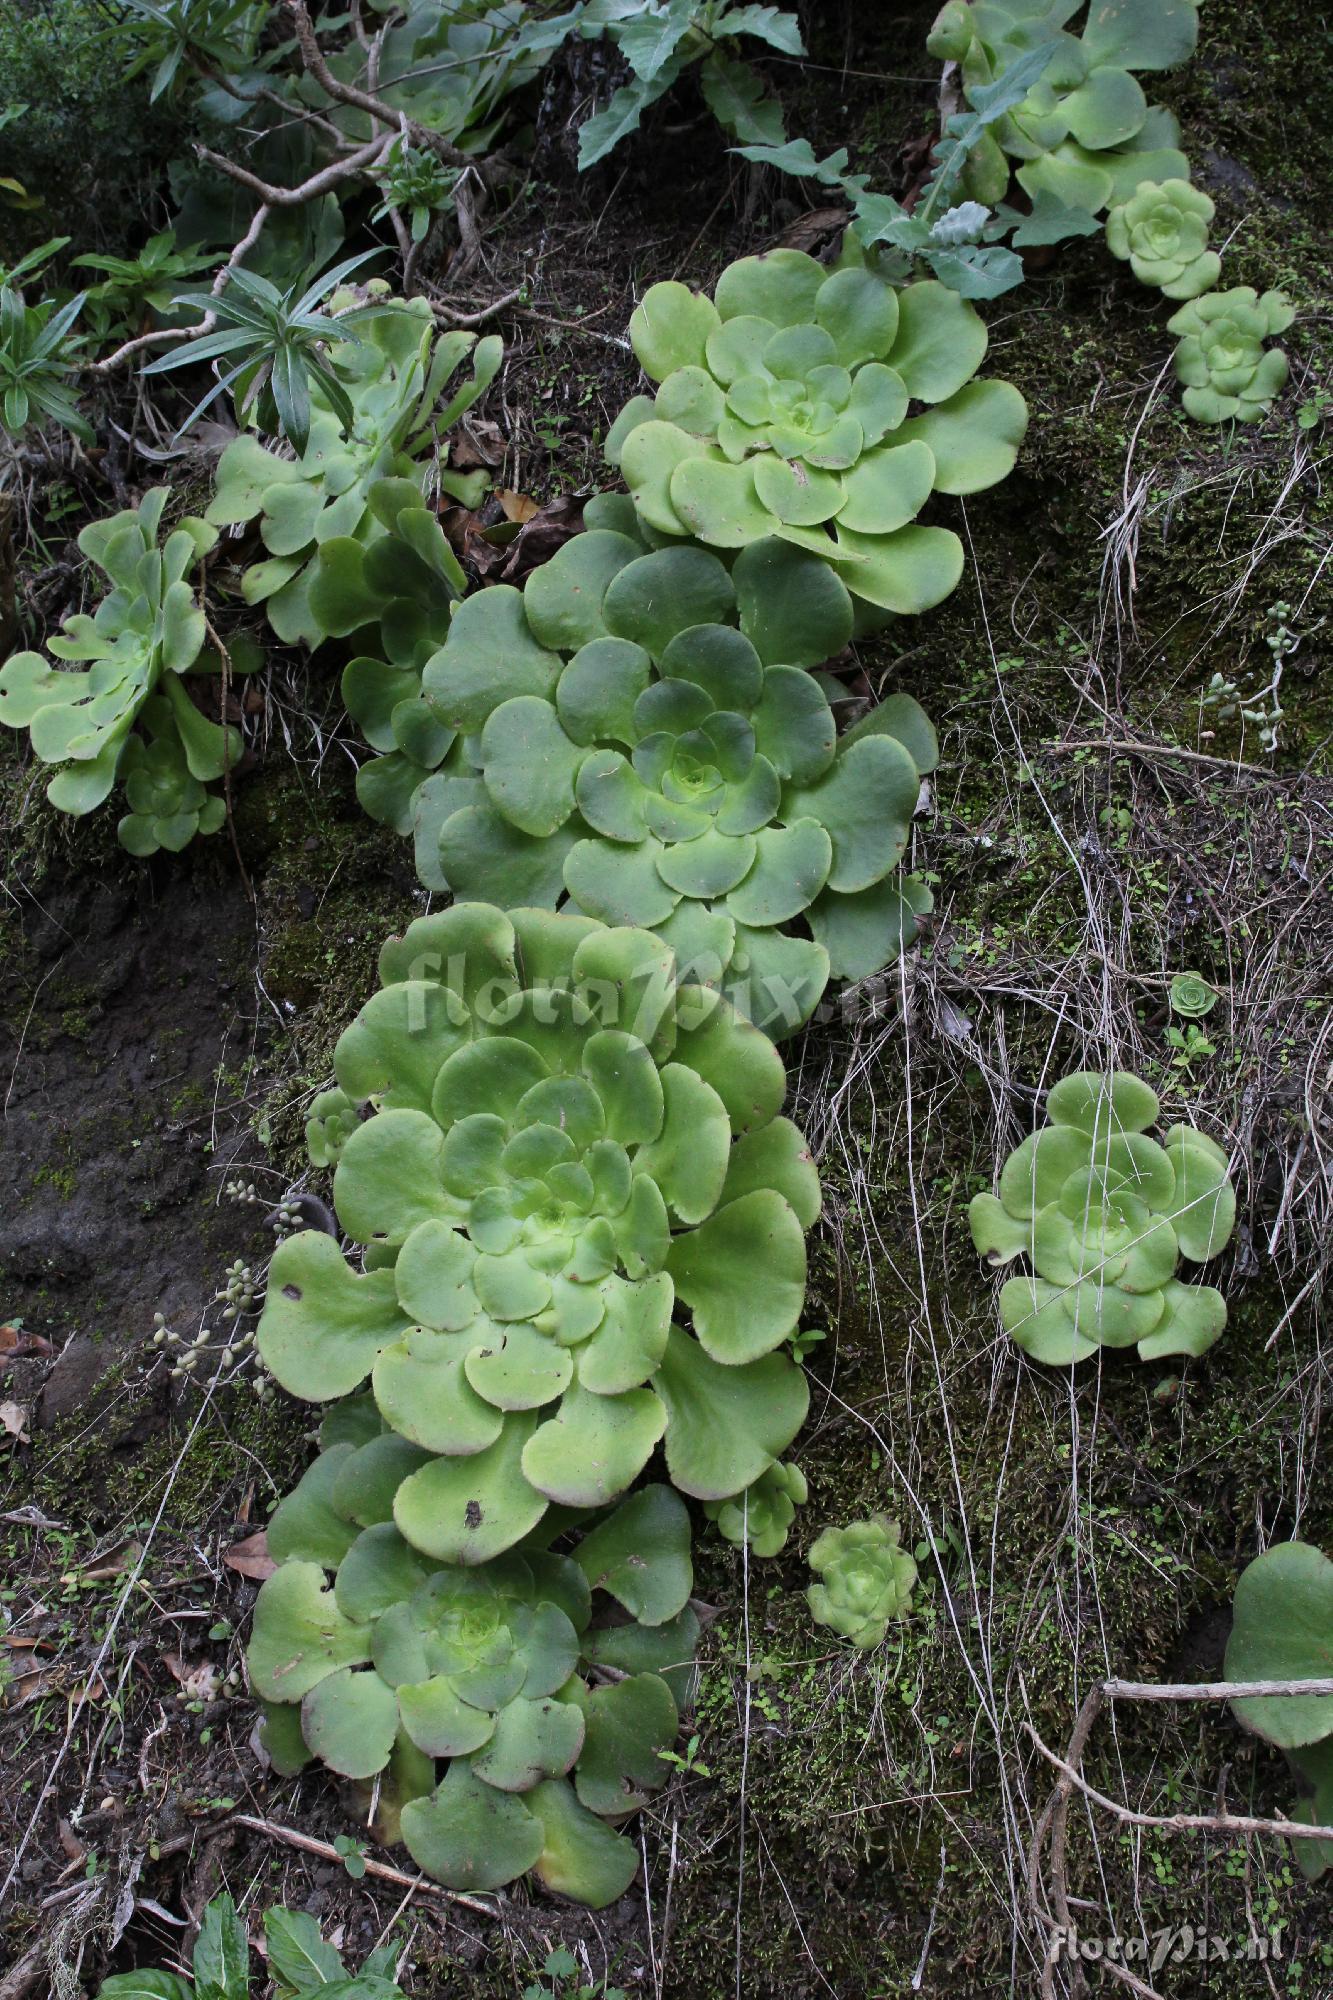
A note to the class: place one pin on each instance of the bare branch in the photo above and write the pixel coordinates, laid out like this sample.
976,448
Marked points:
1210,1690
168,335
347,93
1217,1822
320,183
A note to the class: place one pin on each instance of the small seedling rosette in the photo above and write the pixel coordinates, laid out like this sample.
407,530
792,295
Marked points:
819,407
1228,373
865,1580
1103,1212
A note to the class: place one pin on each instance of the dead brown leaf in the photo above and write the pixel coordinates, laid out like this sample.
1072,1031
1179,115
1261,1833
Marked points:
198,1678
477,443
518,507
114,1563
13,1419
250,1557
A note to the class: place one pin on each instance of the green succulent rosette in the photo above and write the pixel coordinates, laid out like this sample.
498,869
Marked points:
624,744
1103,1212
1084,134
1162,232
146,633
763,1514
167,804
393,595
547,1706
333,1119
394,375
1228,373
865,1582
1282,1630
783,411
583,1220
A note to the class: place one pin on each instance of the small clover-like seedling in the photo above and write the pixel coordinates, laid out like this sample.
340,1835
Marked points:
1227,371
1103,1213
584,1227
1162,232
865,1581
146,633
783,411
392,377
1282,1630
1084,133
550,1718
763,1514
634,737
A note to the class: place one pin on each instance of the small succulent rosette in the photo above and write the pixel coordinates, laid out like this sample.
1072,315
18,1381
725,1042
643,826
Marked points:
547,1684
1282,1630
762,1516
1103,1212
1228,373
635,736
147,632
1084,134
866,1579
1162,233
783,410
394,376
582,1224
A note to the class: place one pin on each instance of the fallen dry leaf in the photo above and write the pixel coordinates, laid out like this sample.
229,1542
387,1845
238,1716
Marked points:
69,1840
13,1418
115,1563
250,1557
477,442
518,507
198,1678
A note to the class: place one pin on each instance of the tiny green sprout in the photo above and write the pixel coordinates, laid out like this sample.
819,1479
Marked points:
689,1763
865,1580
1162,231
352,1853
1103,1212
560,1967
1190,1044
1221,358
1191,996
782,409
1310,415
805,1340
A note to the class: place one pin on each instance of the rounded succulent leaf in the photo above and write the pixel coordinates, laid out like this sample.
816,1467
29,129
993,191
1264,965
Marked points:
1282,1629
865,1579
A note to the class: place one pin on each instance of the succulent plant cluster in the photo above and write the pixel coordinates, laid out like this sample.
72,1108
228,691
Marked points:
633,737
1103,1212
394,375
583,1219
1227,371
782,409
866,1579
762,1515
549,1718
1161,231
1282,1630
1084,134
146,634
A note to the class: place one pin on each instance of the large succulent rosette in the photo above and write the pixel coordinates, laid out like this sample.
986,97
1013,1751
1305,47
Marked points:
582,1226
820,407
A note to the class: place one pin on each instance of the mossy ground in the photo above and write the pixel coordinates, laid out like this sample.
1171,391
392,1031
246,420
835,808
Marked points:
864,1825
